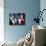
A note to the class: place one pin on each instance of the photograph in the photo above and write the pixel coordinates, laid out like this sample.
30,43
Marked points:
16,19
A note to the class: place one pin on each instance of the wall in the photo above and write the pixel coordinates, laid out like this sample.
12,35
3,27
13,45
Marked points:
43,6
29,7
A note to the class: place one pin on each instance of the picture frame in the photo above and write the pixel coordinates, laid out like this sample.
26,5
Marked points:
17,19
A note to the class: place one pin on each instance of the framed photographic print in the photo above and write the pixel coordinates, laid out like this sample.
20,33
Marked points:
17,19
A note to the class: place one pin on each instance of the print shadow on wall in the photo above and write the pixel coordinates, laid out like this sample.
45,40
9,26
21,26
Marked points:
17,19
